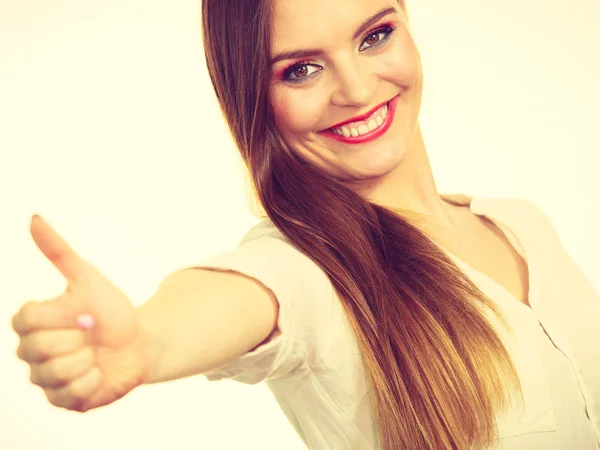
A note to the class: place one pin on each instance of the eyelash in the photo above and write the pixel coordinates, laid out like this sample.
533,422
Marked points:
388,29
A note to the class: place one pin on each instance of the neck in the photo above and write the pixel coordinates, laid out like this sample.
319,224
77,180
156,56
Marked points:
410,190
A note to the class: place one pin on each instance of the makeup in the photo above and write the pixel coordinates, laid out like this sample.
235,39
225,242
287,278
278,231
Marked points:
386,29
356,129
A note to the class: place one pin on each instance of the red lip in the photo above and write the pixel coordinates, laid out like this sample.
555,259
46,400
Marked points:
359,118
371,135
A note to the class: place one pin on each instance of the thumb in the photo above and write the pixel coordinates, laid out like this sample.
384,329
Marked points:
58,252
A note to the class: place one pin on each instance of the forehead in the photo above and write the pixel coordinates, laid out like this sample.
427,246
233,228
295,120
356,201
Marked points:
317,23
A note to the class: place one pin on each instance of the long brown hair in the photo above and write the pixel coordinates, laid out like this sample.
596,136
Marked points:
435,364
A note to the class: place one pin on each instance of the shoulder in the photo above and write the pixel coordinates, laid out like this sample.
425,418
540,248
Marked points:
517,207
524,217
457,199
264,229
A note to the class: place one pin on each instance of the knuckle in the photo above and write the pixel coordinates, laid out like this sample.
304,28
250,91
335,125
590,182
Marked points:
21,352
37,377
76,396
57,372
28,314
15,322
80,407
38,344
53,396
63,398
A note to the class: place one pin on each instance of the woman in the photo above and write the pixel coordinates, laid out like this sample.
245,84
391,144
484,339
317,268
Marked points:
380,314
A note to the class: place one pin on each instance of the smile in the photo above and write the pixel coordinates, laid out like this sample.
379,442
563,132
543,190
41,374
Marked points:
364,128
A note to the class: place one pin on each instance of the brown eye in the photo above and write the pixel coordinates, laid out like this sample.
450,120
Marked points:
373,38
300,71
377,37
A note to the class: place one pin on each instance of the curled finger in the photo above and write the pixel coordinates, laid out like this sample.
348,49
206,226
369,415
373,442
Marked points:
75,395
60,371
39,346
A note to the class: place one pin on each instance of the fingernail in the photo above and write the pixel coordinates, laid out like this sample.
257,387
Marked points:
85,321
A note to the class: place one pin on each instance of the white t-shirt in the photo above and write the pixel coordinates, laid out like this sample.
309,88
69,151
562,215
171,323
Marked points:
313,366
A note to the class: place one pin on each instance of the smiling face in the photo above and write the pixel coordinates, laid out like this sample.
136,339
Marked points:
358,56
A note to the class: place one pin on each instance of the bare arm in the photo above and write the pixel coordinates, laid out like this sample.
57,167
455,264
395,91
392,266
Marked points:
200,319
91,346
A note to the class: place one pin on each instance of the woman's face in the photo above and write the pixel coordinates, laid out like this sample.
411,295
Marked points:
339,71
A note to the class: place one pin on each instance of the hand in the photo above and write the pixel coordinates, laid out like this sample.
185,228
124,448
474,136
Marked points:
85,348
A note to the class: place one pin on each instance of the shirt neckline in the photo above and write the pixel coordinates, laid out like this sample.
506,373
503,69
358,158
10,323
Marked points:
475,206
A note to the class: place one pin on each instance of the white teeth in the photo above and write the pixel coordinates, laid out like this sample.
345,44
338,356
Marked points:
376,120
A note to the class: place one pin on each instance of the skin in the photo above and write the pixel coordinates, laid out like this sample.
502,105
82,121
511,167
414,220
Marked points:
351,77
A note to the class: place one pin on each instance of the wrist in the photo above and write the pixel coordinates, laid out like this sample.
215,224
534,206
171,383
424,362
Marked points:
152,347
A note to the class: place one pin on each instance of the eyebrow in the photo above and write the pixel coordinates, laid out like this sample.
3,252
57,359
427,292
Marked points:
309,52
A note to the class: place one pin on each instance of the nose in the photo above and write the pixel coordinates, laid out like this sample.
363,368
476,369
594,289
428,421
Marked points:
354,85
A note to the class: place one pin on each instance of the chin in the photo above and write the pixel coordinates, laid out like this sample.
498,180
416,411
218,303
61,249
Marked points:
383,160
371,171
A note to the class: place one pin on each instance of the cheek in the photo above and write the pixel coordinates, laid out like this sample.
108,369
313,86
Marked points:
297,111
403,63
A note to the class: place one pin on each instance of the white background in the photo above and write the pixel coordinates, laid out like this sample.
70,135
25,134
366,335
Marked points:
110,130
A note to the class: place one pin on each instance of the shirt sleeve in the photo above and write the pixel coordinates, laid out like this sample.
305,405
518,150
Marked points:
304,293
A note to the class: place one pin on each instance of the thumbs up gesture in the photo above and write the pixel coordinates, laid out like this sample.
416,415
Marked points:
85,347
